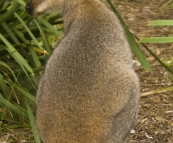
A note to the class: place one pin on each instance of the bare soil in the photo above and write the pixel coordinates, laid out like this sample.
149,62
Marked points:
155,120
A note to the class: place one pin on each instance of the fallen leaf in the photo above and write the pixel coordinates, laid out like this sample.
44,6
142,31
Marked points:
160,119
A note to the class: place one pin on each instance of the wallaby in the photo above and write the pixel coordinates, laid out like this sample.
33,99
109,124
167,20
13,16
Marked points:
89,92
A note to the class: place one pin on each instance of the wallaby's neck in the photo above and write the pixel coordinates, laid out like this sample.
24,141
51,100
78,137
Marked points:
70,10
70,5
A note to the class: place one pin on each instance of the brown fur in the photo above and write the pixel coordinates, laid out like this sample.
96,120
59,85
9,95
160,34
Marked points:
89,92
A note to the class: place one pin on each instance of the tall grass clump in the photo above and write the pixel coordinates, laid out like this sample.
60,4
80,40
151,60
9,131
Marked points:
24,49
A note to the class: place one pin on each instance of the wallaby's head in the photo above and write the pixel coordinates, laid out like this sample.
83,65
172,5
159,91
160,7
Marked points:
38,7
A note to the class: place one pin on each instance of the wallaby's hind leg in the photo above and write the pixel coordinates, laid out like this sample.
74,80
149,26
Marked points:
129,116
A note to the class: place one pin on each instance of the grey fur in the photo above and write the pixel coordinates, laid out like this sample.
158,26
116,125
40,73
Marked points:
89,92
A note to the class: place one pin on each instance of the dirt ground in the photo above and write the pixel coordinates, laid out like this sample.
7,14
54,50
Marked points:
155,120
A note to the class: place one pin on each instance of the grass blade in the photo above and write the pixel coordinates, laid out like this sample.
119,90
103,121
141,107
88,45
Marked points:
1,3
25,93
10,33
4,88
28,30
154,55
157,40
13,108
15,54
51,27
134,46
45,41
5,65
161,23
6,16
32,122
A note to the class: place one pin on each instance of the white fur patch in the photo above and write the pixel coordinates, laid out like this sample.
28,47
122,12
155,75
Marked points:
44,5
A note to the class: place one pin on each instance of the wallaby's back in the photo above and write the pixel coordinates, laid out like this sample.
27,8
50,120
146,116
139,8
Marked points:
89,92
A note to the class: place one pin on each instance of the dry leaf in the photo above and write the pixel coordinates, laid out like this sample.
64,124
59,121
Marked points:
160,119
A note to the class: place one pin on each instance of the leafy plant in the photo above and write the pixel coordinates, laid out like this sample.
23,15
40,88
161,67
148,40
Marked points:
24,50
